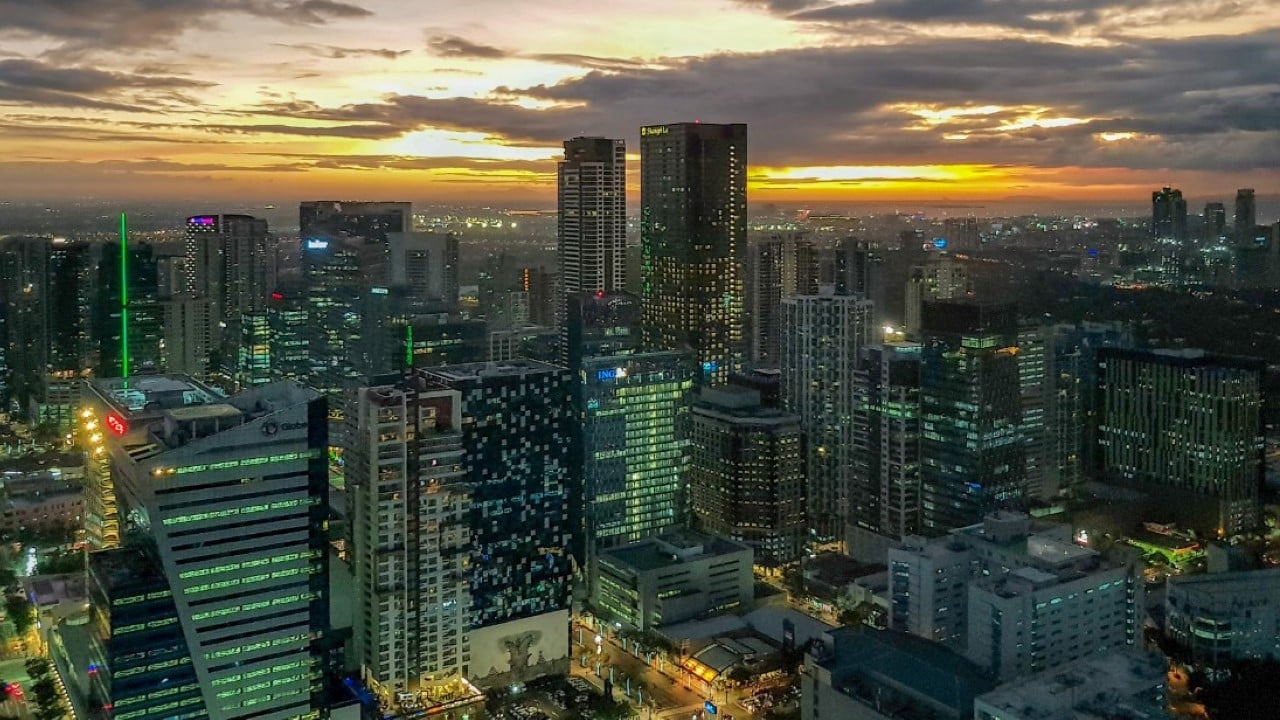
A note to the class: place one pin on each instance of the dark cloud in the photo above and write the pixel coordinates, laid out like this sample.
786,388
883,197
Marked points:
590,61
1052,16
33,82
452,46
1201,103
338,53
81,25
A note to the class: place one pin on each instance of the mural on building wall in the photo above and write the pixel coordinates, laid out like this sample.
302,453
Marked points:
521,650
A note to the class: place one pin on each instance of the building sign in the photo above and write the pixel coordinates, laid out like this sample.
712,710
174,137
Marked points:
710,707
654,130
203,220
314,244
115,424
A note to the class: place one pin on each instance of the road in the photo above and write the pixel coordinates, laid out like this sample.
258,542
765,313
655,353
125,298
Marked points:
666,696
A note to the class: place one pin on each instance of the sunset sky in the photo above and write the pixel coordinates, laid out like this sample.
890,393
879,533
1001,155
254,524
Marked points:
451,100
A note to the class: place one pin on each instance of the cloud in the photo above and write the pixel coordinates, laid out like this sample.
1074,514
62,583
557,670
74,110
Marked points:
1189,104
452,46
338,53
33,82
83,25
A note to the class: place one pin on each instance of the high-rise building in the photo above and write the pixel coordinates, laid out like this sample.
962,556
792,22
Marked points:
1187,426
72,274
1215,223
140,348
592,227
859,271
635,446
885,493
972,451
600,325
747,478
24,292
1072,411
693,233
140,662
942,279
1168,216
232,493
411,537
287,317
780,266
538,286
1246,214
518,437
962,234
426,265
1034,385
229,262
823,336
186,335
345,249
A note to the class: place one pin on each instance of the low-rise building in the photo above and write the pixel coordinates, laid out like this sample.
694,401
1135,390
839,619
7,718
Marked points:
862,674
1121,686
672,578
1223,617
42,503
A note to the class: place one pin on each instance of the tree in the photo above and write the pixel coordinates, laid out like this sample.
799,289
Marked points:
37,668
20,612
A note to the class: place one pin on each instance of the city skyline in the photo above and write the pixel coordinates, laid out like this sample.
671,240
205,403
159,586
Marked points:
848,102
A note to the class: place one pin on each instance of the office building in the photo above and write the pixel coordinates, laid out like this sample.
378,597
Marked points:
869,675
289,343
1246,215
783,265
232,492
519,441
1034,386
345,254
885,492
229,262
858,270
635,445
962,234
1119,686
140,665
24,292
693,233
747,481
941,279
410,531
599,325
186,336
425,265
823,335
1215,223
72,272
1186,426
1168,216
132,283
972,451
1017,596
1220,618
592,227
671,578
1072,411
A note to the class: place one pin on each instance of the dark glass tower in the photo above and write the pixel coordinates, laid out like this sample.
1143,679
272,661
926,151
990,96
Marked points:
1168,215
972,449
693,232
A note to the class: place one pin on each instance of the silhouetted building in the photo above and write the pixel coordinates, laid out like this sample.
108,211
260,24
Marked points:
1246,214
941,279
781,266
425,265
1168,216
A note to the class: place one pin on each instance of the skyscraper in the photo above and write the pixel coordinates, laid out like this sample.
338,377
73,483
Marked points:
1246,214
592,226
1034,386
823,336
344,255
972,451
885,492
426,265
780,266
230,263
693,232
747,479
232,494
635,446
518,438
1215,222
1168,216
941,279
411,533
1186,426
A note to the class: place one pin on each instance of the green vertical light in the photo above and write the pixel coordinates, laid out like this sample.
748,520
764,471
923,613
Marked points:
408,346
124,297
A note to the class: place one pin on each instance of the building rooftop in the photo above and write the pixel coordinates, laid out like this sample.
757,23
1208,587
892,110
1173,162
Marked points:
506,368
1117,685
145,394
867,663
673,549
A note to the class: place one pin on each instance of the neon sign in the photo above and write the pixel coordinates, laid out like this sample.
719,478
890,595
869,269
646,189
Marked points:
115,424
317,244
940,243
202,220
